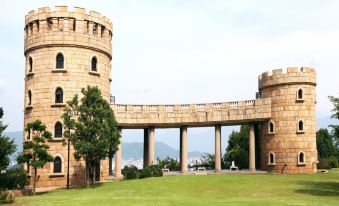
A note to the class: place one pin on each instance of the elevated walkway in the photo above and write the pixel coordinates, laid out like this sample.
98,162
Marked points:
192,115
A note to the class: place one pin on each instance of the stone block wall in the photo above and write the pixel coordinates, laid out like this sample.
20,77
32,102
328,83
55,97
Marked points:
287,141
79,37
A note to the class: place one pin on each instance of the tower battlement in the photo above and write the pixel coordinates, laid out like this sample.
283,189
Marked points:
66,27
291,75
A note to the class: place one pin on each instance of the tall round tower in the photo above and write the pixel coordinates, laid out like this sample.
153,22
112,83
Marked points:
65,51
288,140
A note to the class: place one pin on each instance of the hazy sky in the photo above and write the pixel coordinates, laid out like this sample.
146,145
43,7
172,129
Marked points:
177,51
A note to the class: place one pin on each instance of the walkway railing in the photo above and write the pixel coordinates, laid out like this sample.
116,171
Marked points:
192,114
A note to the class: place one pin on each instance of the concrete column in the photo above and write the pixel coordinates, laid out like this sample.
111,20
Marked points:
118,155
110,172
252,149
183,149
146,131
151,138
217,148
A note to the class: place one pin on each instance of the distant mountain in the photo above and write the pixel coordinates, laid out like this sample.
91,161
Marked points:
18,140
135,151
324,122
129,150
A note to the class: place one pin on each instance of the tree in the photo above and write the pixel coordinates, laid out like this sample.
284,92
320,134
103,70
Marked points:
7,146
325,144
238,149
91,129
335,110
170,163
206,160
35,152
13,178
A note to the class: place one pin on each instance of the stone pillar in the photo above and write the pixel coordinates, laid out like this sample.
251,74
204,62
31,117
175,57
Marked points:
110,172
252,149
217,148
151,146
183,149
146,133
118,158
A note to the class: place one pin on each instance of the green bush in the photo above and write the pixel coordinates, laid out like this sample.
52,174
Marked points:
14,178
145,173
130,172
333,162
156,171
151,171
328,163
170,163
323,164
206,160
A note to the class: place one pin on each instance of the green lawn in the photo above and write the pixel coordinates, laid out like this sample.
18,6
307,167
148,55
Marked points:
267,189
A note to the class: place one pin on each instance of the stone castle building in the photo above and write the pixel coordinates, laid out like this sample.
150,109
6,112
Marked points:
67,50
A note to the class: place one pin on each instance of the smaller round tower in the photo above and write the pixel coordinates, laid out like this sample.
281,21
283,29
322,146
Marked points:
288,140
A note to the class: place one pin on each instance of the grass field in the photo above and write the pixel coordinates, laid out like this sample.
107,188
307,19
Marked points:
266,189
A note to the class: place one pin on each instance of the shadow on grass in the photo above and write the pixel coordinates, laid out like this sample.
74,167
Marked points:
96,185
319,188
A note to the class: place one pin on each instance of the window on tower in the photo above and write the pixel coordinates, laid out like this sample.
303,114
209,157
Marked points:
59,95
57,165
58,130
271,158
60,61
29,95
94,64
301,158
30,62
301,126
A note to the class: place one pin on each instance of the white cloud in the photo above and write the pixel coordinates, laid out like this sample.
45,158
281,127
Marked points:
195,51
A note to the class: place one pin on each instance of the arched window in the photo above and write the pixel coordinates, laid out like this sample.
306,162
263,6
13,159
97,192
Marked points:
59,95
271,127
30,62
301,157
301,126
271,158
60,61
29,97
300,94
57,165
94,64
29,134
58,130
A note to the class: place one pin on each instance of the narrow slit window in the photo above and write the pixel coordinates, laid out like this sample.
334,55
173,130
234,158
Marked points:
271,158
29,98
271,127
58,130
300,94
60,61
301,126
301,157
57,165
29,134
94,62
30,62
59,95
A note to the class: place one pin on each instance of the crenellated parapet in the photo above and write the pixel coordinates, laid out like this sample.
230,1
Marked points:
291,75
61,27
193,115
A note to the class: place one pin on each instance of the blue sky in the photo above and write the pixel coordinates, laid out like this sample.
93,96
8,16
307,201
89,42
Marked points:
191,51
